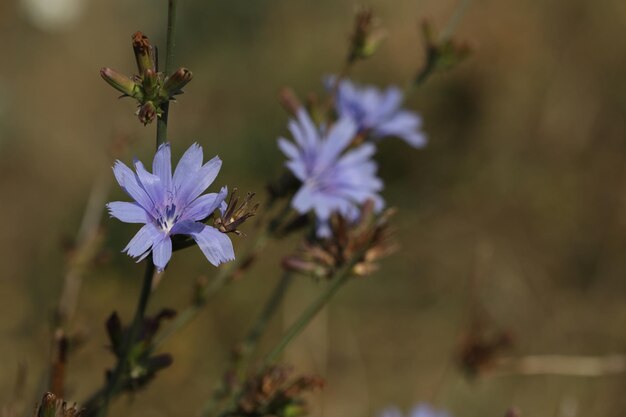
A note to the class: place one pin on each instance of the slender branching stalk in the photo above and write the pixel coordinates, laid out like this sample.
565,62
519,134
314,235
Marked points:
169,61
98,403
245,352
336,282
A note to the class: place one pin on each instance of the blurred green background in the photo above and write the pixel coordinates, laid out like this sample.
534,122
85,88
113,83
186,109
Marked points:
519,195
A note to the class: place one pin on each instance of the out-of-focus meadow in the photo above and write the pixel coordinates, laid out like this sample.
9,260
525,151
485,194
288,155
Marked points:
514,212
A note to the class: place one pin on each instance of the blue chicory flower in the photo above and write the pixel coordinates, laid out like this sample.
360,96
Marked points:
170,205
333,179
378,113
420,410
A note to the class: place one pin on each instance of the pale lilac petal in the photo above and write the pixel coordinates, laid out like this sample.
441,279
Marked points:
304,200
186,227
391,101
358,155
289,149
128,212
415,139
151,183
311,134
196,184
203,206
143,240
129,183
188,165
339,137
298,169
162,166
215,245
161,253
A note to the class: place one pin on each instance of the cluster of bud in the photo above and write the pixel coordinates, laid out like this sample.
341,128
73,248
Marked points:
149,87
273,393
235,214
481,347
51,406
368,240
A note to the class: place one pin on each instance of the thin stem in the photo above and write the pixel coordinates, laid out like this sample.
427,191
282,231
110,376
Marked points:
223,277
562,365
271,306
429,66
454,21
250,343
307,315
98,405
169,61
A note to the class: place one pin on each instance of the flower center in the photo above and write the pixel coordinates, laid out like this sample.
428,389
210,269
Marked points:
168,219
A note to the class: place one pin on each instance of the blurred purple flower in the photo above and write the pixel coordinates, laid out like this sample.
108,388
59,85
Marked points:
332,181
171,205
376,112
420,410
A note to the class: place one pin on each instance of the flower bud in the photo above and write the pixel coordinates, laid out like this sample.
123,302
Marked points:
120,82
51,406
366,36
175,82
150,83
144,53
147,112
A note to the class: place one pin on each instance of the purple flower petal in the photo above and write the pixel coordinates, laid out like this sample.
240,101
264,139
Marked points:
189,164
151,183
289,149
215,245
128,181
203,206
304,200
162,165
128,212
162,252
197,183
143,240
339,137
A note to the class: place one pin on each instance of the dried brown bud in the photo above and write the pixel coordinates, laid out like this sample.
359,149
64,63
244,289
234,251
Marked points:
272,393
174,83
236,214
147,112
368,240
51,406
289,100
481,346
144,53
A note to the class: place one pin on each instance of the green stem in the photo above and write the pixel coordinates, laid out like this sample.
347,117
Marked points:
307,315
98,405
250,343
169,61
254,335
454,21
429,66
223,277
